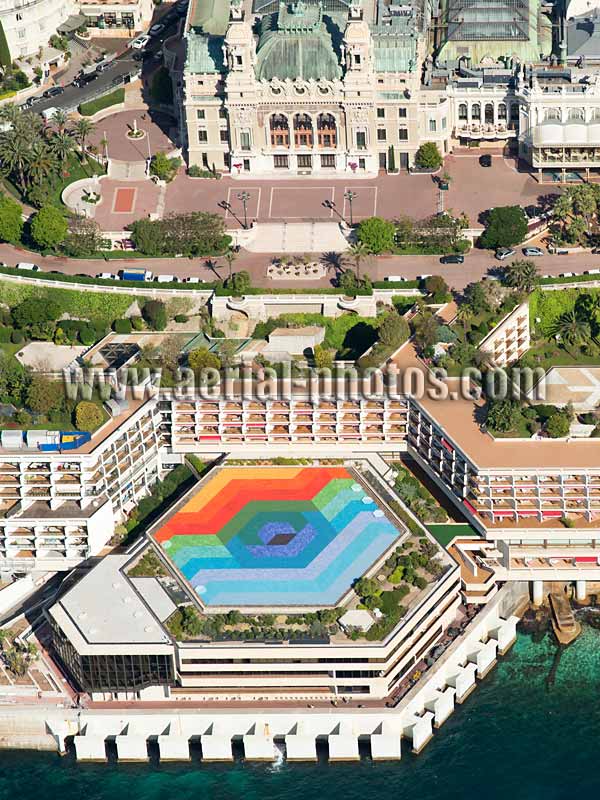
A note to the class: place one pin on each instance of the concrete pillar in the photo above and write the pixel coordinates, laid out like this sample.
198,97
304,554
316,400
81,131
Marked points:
300,744
173,748
132,747
442,705
90,748
580,590
463,681
216,745
60,730
538,593
505,634
343,743
386,742
258,744
419,729
483,656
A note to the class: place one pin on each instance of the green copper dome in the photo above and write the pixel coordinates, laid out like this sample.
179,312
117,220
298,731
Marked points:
295,43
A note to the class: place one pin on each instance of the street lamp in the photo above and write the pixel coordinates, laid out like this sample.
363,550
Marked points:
244,197
350,197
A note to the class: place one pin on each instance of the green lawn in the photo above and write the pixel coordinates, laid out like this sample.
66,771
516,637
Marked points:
551,354
444,533
75,170
112,99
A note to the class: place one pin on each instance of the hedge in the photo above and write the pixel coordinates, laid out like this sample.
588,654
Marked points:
122,325
60,278
96,306
112,99
396,284
572,279
223,291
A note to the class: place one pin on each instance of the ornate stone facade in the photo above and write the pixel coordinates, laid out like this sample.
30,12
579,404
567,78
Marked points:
304,91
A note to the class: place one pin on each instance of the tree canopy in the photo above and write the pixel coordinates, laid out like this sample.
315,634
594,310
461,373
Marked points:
506,226
428,156
376,234
11,220
49,227
198,233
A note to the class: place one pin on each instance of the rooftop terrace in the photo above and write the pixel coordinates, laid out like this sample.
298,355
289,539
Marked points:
276,536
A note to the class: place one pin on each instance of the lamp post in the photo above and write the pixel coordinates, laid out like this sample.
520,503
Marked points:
350,197
244,197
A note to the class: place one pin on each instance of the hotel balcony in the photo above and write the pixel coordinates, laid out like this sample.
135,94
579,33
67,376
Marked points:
485,130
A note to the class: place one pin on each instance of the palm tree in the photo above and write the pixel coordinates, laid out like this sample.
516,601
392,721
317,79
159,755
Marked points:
60,119
14,156
521,275
571,329
230,256
82,130
463,315
358,251
10,114
62,145
40,163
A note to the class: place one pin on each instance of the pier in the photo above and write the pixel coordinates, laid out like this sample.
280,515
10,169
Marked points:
566,627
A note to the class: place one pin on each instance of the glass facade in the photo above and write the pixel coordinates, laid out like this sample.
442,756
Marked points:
112,673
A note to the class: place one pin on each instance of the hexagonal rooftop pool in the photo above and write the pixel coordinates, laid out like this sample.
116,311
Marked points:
276,536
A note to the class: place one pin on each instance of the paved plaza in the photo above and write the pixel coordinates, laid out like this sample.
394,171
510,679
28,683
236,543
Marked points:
473,189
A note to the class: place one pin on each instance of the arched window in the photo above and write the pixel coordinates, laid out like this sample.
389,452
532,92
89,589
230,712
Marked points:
576,115
280,130
489,112
326,130
462,111
596,114
475,111
502,111
303,130
552,115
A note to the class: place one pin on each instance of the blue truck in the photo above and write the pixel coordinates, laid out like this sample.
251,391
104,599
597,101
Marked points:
135,274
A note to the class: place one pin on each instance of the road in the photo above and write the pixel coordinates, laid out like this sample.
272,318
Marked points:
123,69
477,264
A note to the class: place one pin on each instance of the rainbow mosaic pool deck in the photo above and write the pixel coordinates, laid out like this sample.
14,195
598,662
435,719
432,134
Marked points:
273,536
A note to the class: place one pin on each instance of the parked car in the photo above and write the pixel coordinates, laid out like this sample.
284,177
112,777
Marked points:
485,160
193,280
157,29
504,252
140,42
53,91
28,266
84,78
532,252
166,279
108,276
591,272
105,64
452,259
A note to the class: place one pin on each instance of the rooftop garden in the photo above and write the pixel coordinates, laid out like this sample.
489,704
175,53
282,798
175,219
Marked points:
406,572
416,496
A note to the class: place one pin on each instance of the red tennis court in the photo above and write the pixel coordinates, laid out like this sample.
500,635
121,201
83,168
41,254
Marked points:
124,200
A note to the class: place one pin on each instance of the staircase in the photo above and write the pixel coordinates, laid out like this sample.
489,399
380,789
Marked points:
297,237
127,170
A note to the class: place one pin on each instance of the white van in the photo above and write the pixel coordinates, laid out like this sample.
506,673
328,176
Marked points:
166,279
107,276
48,113
26,265
395,278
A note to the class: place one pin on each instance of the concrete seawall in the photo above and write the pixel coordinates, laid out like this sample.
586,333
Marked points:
262,735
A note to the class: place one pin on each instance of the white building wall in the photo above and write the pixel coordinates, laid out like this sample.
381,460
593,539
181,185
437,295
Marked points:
28,24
